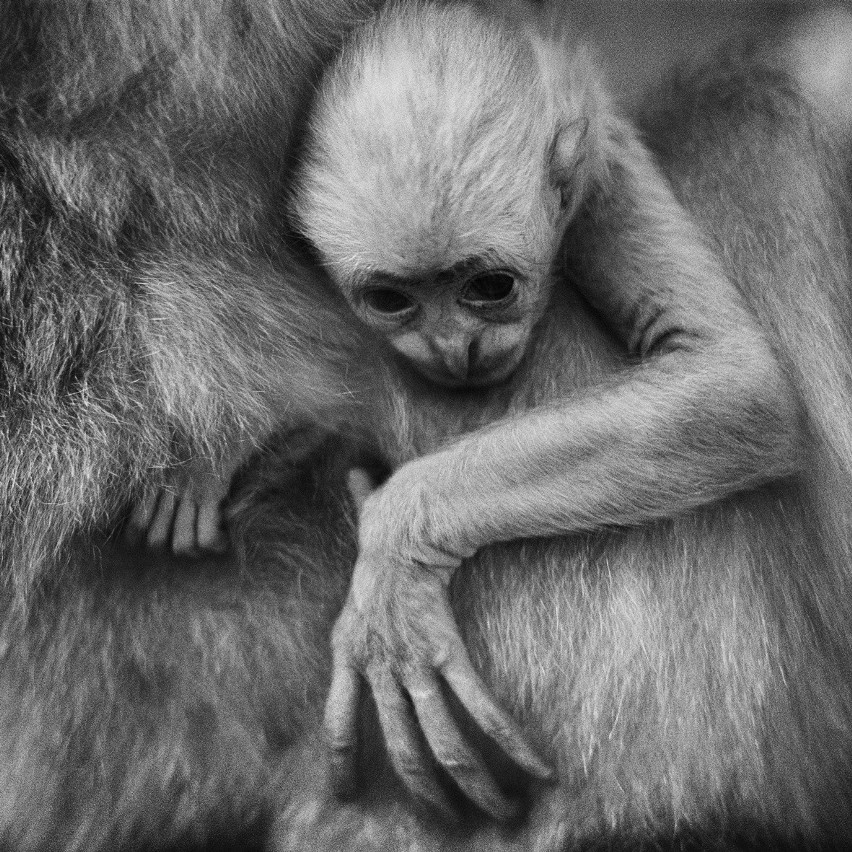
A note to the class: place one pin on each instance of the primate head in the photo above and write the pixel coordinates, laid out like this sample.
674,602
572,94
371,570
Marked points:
444,156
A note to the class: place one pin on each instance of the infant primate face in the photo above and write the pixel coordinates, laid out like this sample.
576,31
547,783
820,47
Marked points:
463,326
426,188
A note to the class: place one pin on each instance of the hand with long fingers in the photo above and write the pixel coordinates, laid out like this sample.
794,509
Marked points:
185,517
397,633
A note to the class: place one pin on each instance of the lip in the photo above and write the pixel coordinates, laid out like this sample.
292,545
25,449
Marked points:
476,381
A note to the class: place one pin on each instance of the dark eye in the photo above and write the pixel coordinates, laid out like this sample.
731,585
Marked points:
489,288
386,300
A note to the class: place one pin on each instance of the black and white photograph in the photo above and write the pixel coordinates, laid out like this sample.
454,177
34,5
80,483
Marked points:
425,425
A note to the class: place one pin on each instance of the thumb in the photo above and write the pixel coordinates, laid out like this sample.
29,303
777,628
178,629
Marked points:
361,485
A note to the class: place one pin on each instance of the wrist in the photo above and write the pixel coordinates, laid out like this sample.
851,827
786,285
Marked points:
440,531
410,520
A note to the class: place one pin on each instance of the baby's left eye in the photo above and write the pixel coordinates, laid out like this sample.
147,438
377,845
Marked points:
489,288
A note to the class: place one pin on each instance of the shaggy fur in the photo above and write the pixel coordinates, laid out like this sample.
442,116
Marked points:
425,147
437,185
689,679
472,152
149,312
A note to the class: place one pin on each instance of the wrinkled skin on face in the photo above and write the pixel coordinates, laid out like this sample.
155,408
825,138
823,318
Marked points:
458,330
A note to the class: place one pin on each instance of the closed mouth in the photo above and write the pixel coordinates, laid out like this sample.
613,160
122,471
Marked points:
476,380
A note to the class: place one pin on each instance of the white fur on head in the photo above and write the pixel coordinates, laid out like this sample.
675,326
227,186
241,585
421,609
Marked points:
431,141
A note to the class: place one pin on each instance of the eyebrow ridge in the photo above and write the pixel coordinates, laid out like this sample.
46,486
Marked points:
467,265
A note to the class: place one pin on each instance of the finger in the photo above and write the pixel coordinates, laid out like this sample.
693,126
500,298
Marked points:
183,534
360,485
140,519
211,533
462,678
161,526
341,727
461,763
405,750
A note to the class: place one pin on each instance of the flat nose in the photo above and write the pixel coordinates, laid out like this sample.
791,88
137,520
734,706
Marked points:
459,354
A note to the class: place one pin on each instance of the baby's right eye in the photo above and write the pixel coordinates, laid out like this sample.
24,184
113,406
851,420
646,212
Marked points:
386,300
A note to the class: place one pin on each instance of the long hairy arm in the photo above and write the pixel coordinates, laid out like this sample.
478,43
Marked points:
706,410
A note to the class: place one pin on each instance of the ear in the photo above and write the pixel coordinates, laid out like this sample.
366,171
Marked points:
567,153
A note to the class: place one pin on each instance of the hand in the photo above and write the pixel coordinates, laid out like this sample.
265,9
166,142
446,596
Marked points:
186,517
397,632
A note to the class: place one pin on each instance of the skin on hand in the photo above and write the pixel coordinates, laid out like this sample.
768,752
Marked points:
397,632
185,518
455,268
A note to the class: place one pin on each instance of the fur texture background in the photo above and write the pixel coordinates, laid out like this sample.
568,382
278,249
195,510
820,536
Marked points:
691,679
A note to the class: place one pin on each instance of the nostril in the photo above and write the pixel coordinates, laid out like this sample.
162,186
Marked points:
472,355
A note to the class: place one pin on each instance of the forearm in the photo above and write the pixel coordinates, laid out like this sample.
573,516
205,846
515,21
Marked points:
665,440
708,410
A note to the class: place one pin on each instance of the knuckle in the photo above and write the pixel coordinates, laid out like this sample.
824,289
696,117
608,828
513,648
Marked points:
378,673
410,765
457,763
206,542
444,655
425,694
341,634
450,653
338,743
497,727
